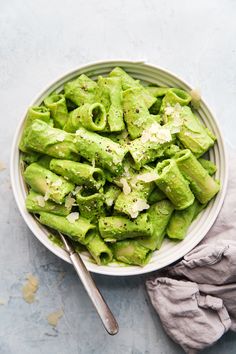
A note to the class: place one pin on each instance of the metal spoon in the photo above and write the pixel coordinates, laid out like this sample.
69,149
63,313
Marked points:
99,303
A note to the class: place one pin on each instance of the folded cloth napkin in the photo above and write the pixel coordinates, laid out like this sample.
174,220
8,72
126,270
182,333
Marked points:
196,298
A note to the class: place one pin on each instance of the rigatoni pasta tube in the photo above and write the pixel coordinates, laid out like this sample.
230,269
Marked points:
35,203
193,135
99,250
173,184
136,114
40,113
103,151
208,165
111,194
114,228
180,222
156,196
135,201
57,105
143,152
79,230
202,184
128,82
131,252
159,216
174,96
90,116
90,203
79,173
81,90
157,91
47,183
109,93
51,141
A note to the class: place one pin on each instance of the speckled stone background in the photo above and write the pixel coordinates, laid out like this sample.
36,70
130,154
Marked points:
41,40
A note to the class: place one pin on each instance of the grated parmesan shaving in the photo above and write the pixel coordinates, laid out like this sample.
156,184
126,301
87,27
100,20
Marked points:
116,160
125,186
77,189
169,110
61,137
40,200
57,183
93,163
69,201
176,120
72,217
139,122
138,206
156,133
187,133
47,195
109,201
148,177
126,171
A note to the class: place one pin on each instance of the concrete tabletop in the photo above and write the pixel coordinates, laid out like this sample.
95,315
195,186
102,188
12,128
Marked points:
40,41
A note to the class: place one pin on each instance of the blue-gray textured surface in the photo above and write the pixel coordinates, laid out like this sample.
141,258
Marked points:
39,41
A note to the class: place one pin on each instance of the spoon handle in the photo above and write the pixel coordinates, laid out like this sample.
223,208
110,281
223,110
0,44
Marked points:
99,303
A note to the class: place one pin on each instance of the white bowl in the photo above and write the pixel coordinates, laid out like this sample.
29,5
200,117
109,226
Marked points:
170,251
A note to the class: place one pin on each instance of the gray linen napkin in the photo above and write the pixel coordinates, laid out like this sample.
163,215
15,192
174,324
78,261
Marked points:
196,298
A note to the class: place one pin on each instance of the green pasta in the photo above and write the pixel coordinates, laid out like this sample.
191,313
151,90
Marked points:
90,116
208,165
109,93
79,173
180,222
116,165
156,196
40,113
47,183
114,228
128,83
155,108
136,114
103,151
111,194
51,141
90,204
135,201
35,203
202,184
78,230
131,252
193,134
159,216
174,96
56,103
30,157
144,152
44,161
173,184
99,249
157,91
81,90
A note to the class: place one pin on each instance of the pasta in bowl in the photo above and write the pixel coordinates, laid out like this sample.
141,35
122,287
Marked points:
114,156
